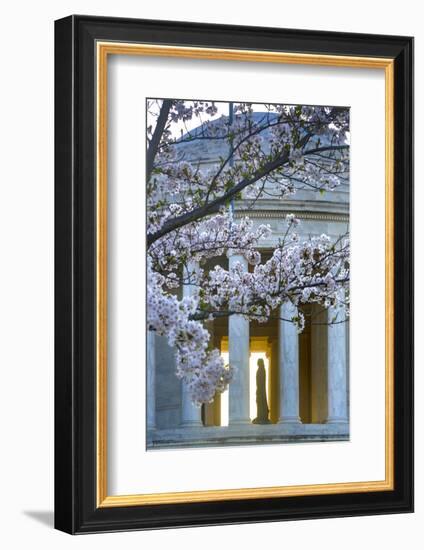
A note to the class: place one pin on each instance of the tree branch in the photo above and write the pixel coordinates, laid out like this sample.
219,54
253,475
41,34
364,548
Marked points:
157,135
214,206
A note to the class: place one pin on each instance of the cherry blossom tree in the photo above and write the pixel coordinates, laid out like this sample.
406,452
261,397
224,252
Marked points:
272,151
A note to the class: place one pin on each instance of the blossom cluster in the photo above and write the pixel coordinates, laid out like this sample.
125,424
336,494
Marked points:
313,271
202,369
211,237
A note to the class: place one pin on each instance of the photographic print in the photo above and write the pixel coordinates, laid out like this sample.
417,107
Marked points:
247,273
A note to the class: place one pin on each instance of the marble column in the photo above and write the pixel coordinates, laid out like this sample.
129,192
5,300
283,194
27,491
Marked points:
151,380
289,366
191,415
239,353
337,371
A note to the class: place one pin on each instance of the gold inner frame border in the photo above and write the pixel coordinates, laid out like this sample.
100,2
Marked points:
103,50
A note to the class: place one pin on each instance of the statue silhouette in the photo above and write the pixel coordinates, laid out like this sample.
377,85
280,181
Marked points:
261,402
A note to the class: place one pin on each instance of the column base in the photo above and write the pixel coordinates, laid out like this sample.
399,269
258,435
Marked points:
289,420
335,420
191,425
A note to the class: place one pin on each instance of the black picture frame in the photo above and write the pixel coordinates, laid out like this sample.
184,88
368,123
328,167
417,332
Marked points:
76,509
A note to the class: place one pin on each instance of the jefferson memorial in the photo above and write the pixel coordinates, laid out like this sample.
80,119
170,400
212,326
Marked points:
306,374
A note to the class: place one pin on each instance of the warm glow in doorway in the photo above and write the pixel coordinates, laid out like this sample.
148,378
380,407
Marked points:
253,365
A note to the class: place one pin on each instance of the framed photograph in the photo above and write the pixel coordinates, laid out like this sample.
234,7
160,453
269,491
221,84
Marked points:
234,268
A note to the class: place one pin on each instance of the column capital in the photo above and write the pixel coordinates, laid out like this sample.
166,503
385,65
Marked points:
234,258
